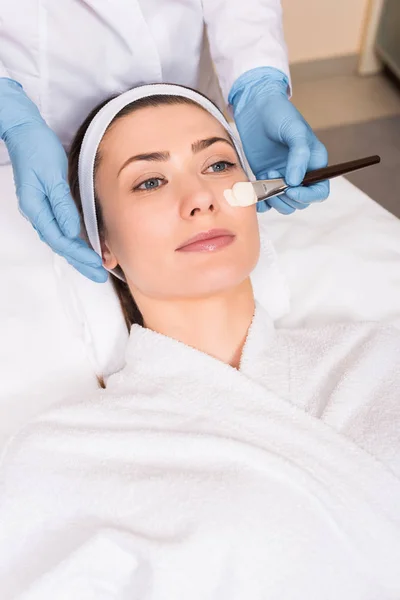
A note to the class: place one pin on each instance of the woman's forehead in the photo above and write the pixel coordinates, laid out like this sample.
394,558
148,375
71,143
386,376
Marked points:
158,129
164,122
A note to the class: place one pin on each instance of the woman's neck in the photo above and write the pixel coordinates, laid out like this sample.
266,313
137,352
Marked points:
217,325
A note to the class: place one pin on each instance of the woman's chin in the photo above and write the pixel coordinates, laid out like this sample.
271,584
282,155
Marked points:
202,276
213,273
216,281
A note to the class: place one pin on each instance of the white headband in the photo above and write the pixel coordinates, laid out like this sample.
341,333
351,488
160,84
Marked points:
97,129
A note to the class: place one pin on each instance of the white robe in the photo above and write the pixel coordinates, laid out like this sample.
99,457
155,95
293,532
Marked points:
187,478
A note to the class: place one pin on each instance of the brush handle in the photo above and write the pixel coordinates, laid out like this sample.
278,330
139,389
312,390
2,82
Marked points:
339,169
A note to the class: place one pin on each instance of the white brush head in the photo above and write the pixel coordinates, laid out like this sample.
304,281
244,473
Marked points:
230,198
241,194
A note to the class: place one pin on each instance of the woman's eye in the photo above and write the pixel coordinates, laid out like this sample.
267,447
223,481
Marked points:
149,184
221,165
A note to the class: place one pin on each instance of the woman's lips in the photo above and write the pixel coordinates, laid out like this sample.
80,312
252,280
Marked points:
208,241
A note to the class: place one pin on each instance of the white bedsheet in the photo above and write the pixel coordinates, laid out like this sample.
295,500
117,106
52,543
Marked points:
341,259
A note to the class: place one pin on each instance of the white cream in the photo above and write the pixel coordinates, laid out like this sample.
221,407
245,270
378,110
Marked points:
241,194
230,197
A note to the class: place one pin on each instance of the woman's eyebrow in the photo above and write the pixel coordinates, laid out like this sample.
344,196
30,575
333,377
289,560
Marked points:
163,156
157,156
203,144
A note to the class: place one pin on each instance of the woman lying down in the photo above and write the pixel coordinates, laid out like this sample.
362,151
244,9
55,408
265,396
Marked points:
227,459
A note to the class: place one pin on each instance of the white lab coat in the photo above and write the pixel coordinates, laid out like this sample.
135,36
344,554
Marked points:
69,55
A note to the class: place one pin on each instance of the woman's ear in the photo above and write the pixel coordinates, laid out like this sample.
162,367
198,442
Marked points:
109,258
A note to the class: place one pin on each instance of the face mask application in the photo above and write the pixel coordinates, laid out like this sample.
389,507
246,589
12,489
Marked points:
97,129
246,193
241,194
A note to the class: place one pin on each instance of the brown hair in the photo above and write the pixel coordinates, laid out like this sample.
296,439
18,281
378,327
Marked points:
129,307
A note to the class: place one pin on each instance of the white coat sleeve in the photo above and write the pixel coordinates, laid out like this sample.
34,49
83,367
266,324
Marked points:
243,35
3,71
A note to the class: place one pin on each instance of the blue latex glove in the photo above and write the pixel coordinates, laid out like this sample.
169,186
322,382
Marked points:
276,139
40,175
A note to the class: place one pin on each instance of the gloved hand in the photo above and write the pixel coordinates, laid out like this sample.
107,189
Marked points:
40,175
276,139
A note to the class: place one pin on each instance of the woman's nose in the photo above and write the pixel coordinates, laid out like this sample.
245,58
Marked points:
197,200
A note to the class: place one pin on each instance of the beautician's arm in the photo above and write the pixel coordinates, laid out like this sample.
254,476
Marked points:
243,35
249,52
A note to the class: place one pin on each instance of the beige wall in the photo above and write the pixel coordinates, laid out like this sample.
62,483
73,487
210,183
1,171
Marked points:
317,29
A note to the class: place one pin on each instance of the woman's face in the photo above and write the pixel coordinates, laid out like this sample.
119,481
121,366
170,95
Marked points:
160,182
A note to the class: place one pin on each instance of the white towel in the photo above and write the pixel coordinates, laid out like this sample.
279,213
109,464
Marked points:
278,480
